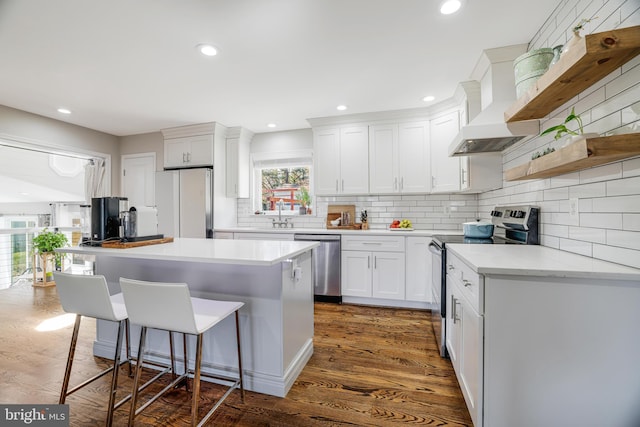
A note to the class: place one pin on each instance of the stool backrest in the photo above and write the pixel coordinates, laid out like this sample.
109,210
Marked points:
159,305
85,295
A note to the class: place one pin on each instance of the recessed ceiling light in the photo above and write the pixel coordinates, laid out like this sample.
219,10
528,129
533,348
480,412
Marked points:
64,111
271,125
450,6
207,50
428,98
341,107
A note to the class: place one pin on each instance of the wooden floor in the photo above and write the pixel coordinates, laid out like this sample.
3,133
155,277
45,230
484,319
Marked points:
370,367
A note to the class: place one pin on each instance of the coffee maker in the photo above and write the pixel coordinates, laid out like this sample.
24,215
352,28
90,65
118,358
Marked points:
105,217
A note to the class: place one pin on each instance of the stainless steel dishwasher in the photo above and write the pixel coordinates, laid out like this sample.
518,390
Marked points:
326,266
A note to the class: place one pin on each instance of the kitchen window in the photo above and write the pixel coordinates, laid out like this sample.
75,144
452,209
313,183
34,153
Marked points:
283,178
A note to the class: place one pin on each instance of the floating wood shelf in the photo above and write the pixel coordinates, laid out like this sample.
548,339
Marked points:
579,155
589,60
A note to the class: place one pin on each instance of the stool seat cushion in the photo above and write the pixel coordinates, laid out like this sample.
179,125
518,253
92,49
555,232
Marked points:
119,309
209,312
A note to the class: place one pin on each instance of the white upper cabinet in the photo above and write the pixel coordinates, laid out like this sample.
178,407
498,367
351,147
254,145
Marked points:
341,161
413,157
188,151
445,170
399,158
238,162
191,146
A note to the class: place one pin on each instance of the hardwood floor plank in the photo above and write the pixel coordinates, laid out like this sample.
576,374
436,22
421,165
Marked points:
371,366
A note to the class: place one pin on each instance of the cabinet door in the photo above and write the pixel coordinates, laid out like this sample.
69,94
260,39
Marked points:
175,152
383,156
445,170
326,161
388,275
232,167
354,160
356,273
413,157
453,324
418,269
470,357
200,150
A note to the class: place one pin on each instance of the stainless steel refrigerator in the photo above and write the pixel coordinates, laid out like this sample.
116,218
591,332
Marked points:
184,199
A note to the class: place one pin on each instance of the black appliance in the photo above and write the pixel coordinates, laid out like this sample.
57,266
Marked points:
513,225
105,217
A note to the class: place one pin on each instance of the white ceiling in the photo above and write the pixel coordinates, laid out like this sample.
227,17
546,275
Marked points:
128,67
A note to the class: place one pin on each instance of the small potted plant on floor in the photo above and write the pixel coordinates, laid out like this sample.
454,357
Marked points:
44,245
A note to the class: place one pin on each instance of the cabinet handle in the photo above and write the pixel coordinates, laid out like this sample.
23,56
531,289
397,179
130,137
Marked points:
433,182
336,185
184,158
466,283
375,262
464,179
454,309
395,183
372,243
343,185
402,183
368,261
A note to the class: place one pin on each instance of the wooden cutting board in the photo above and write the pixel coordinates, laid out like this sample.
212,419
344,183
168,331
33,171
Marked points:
125,245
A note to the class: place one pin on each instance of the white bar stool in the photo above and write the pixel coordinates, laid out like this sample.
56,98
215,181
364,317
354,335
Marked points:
170,307
89,296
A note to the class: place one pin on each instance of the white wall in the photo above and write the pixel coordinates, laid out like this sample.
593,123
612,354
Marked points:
608,224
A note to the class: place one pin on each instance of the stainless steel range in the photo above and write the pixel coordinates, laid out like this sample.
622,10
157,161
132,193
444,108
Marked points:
512,225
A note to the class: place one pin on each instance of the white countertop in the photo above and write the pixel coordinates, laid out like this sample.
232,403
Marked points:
369,232
242,252
534,260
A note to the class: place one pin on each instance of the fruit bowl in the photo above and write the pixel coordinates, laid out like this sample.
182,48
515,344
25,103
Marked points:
400,229
397,225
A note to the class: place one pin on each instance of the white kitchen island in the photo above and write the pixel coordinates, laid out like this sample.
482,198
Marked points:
272,278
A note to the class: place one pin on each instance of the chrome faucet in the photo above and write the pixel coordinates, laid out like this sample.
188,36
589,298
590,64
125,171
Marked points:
280,223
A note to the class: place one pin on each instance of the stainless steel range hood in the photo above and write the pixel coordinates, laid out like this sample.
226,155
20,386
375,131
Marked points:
487,132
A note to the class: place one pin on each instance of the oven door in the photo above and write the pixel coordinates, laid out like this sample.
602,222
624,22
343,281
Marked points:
438,310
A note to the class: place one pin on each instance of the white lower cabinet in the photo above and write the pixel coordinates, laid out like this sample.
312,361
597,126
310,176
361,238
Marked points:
418,269
465,333
373,267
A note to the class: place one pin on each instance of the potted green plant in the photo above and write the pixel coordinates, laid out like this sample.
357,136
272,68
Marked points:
305,200
44,245
562,129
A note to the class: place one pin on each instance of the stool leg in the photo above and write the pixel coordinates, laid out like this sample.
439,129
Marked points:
173,356
114,378
186,361
128,339
72,350
136,381
239,356
196,382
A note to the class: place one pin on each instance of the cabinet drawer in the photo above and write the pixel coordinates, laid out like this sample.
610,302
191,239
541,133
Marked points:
373,243
470,282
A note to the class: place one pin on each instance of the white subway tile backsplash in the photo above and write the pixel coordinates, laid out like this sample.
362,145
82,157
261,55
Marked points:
617,204
616,102
623,81
550,241
565,180
601,173
631,222
555,230
576,246
625,239
623,187
601,220
595,189
630,257
587,234
561,193
587,102
585,205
